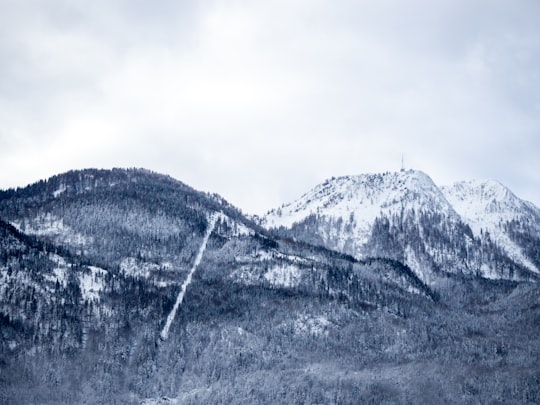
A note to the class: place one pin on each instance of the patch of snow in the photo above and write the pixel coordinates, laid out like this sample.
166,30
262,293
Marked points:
59,191
246,275
59,274
163,284
264,255
160,401
269,255
238,229
92,284
18,225
130,266
233,227
45,225
242,230
49,225
58,259
488,272
166,266
288,276
315,326
414,264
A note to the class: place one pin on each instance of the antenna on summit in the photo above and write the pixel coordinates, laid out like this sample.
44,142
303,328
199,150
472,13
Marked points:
402,163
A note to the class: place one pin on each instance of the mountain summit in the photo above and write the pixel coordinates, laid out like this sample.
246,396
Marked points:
477,227
361,199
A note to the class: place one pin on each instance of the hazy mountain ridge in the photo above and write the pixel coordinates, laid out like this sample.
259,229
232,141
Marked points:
405,216
93,268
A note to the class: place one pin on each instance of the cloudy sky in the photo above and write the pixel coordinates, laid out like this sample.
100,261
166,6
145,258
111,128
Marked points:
261,100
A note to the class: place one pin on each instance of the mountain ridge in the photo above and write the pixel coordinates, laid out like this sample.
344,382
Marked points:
101,266
409,201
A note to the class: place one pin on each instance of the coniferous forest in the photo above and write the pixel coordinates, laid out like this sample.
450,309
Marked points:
92,262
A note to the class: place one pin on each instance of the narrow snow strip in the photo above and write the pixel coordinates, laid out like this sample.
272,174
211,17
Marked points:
198,258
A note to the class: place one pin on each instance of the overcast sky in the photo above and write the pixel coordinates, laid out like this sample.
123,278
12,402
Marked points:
261,100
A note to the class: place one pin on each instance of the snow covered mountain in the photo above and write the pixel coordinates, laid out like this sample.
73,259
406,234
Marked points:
92,261
493,212
405,216
126,286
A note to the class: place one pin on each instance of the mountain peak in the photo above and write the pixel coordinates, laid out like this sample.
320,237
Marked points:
75,182
375,179
476,198
366,194
405,216
486,190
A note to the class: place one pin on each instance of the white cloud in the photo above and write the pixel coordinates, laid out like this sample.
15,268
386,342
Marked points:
260,100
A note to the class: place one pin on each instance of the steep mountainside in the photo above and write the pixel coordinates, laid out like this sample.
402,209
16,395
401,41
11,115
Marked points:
93,262
405,216
493,212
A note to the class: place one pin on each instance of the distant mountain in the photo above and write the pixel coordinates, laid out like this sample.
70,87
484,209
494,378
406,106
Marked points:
476,228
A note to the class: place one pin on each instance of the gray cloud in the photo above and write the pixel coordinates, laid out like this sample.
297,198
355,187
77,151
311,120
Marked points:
261,100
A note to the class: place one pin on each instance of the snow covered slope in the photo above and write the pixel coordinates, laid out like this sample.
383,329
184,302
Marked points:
491,209
359,200
405,216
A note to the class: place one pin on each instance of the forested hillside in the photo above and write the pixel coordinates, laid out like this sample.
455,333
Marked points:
91,263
